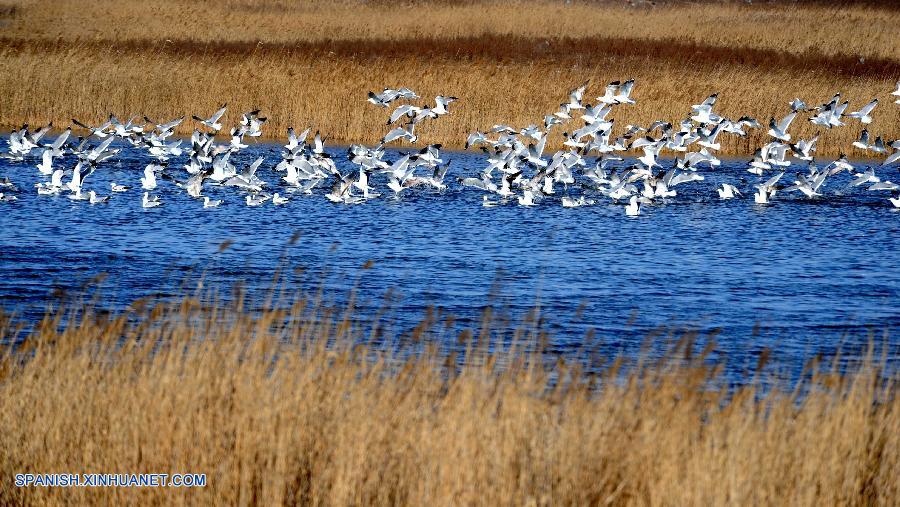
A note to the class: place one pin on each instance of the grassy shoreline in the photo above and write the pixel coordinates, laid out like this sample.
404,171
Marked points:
313,412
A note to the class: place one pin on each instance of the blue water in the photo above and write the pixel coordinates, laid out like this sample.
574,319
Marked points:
800,277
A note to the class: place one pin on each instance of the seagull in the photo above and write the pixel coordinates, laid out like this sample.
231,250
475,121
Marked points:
728,191
475,139
46,165
256,200
118,188
485,201
165,129
864,178
441,103
707,103
571,202
623,94
251,124
99,132
863,142
863,115
75,183
150,202
798,105
609,94
803,149
400,133
575,97
388,95
884,185
407,110
148,182
95,199
633,208
56,149
527,198
829,115
212,121
766,190
779,130
209,203
893,157
277,200
54,186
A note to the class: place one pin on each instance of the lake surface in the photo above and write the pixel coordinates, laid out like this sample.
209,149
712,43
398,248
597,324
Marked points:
798,276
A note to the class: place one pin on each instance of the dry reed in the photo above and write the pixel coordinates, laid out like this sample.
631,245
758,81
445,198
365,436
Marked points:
295,406
311,63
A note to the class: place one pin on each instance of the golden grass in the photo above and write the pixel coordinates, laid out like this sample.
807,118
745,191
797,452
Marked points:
838,29
296,406
311,63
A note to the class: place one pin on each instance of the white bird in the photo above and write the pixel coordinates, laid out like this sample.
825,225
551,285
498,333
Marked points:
575,97
487,202
46,165
95,199
278,200
99,132
388,95
766,191
148,182
54,186
779,130
863,115
251,124
803,149
728,191
893,157
115,187
256,200
400,133
884,185
634,207
798,105
209,203
212,121
865,178
623,94
150,202
75,183
527,198
441,103
571,202
863,142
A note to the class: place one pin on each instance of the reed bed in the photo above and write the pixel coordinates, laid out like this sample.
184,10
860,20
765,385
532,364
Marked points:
304,405
328,91
840,28
312,63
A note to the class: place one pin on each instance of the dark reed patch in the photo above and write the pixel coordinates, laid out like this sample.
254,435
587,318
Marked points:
501,49
8,11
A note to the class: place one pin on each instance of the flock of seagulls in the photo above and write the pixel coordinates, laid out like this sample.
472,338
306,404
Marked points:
592,164
589,167
305,164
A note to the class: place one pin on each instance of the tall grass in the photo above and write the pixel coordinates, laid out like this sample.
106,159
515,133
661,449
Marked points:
510,62
840,28
298,406
328,91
